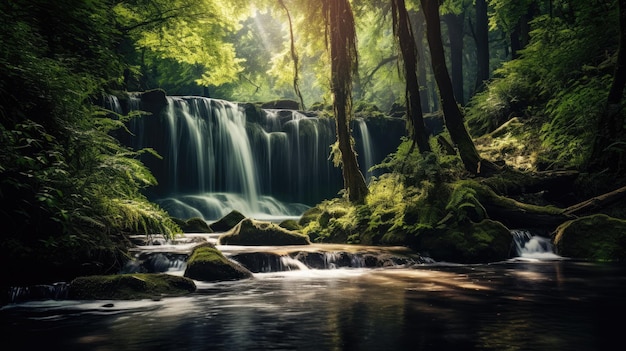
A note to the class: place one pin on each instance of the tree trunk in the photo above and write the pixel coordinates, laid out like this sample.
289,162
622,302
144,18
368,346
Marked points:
404,34
452,114
611,122
419,35
482,45
343,55
455,35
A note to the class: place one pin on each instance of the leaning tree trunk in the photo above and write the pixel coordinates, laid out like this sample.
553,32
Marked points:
404,33
451,112
611,122
455,34
343,55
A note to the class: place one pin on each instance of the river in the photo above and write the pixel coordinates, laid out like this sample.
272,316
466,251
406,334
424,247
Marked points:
537,301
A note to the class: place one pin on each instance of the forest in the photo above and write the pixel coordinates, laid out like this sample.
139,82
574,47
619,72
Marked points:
531,95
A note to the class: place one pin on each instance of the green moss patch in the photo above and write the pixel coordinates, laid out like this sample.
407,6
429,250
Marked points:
598,238
129,286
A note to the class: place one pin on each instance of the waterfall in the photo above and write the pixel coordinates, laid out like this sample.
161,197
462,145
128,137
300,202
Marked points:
528,245
219,156
366,145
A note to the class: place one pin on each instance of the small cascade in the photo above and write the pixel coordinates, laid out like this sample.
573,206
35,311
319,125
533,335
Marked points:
156,262
56,291
528,245
266,261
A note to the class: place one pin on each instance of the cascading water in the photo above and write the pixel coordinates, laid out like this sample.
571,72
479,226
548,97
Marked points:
531,246
217,157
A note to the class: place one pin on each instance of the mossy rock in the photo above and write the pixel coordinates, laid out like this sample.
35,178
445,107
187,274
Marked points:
209,264
193,225
597,238
129,286
227,222
483,242
252,232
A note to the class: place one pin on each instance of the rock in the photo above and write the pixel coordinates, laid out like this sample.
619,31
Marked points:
281,105
227,222
129,286
252,232
209,264
153,100
483,242
597,237
193,225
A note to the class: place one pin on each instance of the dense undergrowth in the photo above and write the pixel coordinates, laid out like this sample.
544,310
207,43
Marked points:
69,192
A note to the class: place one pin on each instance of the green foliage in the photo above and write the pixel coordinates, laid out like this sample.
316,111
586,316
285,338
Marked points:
570,132
464,204
69,192
504,99
190,33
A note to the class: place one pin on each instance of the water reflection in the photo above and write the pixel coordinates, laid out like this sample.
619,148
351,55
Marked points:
555,305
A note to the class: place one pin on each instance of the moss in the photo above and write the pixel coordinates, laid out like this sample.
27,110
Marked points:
597,238
129,286
252,232
209,264
310,215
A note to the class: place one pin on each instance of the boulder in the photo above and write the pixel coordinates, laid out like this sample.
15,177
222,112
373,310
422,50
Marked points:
227,222
259,233
209,264
129,286
153,101
483,242
597,238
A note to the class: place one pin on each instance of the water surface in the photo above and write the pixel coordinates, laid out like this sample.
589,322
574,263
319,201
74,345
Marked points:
522,304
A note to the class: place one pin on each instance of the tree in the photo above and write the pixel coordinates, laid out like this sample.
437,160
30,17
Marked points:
341,37
611,121
455,23
452,114
481,36
404,33
190,33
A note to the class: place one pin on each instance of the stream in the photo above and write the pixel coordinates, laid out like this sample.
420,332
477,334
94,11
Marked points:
535,301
